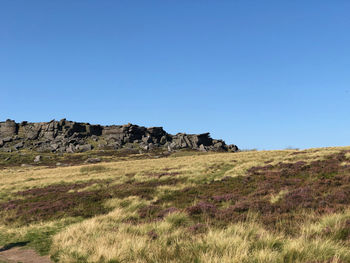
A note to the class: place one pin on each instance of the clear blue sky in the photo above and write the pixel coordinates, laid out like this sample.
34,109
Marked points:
260,74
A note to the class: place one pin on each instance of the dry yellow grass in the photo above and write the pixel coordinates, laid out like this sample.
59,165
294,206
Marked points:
194,167
106,238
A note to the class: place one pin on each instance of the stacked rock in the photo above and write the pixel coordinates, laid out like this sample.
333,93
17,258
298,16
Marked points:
69,136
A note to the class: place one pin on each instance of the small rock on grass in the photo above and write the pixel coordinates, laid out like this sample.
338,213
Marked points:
61,164
93,160
37,158
26,165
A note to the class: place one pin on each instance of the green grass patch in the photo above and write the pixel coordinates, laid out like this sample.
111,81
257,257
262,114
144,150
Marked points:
38,237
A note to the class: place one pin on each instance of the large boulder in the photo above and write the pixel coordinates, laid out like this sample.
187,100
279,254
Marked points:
113,129
232,148
8,128
18,146
84,147
193,141
29,131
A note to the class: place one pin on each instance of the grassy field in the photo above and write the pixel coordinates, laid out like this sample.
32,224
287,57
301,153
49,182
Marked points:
253,206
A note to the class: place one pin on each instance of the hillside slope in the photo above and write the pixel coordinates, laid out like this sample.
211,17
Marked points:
255,206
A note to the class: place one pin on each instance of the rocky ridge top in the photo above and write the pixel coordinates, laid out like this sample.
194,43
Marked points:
69,136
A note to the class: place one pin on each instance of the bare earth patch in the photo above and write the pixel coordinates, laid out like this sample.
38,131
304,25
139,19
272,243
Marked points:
17,254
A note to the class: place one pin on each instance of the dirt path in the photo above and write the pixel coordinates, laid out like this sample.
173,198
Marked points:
18,254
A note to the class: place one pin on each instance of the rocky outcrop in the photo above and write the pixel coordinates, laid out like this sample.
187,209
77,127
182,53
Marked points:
68,136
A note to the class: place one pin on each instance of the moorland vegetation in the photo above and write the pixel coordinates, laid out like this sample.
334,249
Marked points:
249,206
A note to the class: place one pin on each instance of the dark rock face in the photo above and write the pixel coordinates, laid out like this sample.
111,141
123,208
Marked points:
8,128
68,136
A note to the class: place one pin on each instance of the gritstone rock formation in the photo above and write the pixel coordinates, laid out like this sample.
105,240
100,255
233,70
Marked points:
68,136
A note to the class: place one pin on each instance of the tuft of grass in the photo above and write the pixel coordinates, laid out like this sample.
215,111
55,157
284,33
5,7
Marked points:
276,198
178,219
93,169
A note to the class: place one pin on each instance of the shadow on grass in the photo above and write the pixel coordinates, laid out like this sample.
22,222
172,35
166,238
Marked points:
12,245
